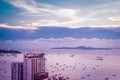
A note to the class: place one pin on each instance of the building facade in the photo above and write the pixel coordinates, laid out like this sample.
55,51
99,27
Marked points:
17,70
34,63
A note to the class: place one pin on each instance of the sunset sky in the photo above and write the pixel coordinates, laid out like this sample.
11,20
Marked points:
51,23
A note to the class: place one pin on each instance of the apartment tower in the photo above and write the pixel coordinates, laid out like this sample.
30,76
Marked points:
34,63
17,70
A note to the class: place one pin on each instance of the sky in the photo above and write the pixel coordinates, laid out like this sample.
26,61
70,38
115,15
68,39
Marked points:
32,14
42,23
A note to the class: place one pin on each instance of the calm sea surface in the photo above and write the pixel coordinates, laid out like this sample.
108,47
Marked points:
73,64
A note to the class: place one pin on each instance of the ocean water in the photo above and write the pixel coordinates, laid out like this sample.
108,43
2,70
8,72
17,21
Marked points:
73,64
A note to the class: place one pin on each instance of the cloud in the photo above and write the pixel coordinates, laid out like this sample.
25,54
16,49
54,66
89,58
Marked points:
58,32
115,18
25,5
43,43
15,27
45,14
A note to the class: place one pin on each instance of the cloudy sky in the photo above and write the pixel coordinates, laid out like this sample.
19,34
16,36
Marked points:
32,14
49,23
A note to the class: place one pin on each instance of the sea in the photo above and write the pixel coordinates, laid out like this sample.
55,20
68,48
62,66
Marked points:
72,64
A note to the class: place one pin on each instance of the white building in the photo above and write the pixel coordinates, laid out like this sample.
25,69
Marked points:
34,63
17,70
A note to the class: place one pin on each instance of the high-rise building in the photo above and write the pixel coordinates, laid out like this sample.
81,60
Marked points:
34,63
17,70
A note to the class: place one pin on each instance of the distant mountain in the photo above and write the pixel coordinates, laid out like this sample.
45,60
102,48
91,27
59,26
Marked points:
9,51
82,48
